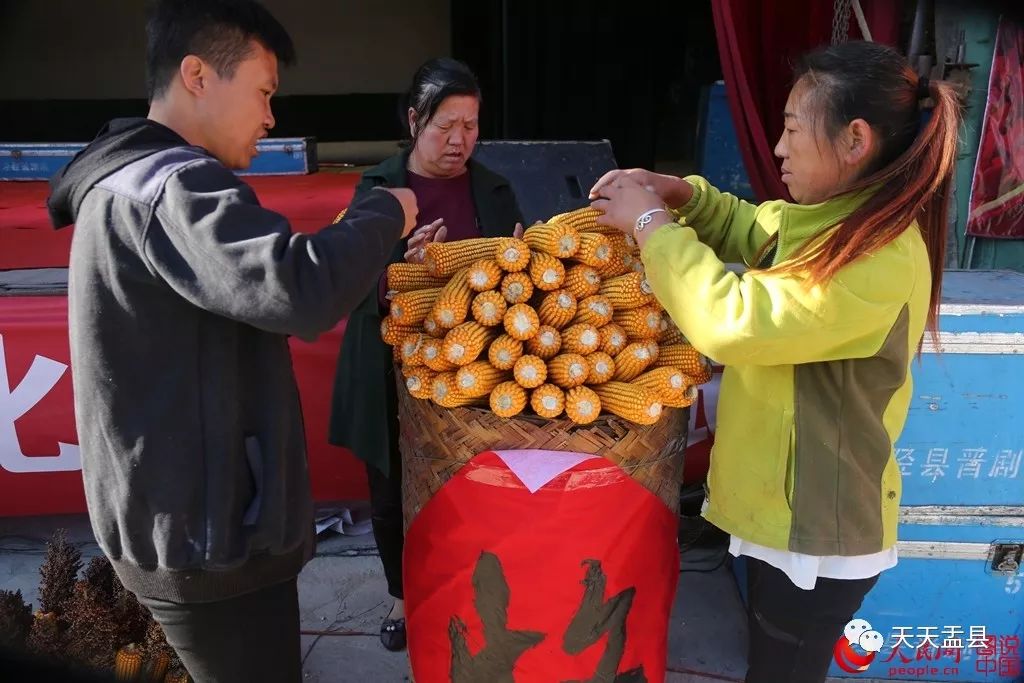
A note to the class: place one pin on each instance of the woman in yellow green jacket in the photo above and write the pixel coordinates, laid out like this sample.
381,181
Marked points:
817,336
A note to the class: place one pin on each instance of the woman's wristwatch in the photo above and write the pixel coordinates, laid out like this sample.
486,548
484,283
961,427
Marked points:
645,219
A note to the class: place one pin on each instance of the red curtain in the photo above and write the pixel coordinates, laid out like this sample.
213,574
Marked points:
758,43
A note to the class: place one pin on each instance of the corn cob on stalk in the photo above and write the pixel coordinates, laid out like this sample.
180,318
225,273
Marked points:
630,402
669,384
546,344
602,368
530,372
632,361
557,308
548,401
392,333
546,272
595,310
479,378
559,240
465,343
613,339
687,359
447,258
582,339
508,399
568,370
431,327
640,323
582,405
489,308
517,288
445,392
512,254
407,277
484,274
412,349
411,308
420,383
582,280
595,250
627,292
452,305
504,352
521,322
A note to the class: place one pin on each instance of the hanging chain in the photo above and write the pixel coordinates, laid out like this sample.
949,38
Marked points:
841,21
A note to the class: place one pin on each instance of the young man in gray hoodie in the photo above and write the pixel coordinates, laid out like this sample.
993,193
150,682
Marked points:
182,293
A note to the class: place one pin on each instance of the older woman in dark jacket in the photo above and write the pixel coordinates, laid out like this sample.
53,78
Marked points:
458,199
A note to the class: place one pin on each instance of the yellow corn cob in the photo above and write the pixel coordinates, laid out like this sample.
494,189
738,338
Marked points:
653,349
392,333
557,308
128,663
396,354
407,277
632,361
548,401
630,402
452,305
613,339
521,322
670,384
602,368
582,405
431,327
546,272
640,323
447,258
595,250
465,343
411,308
582,339
595,310
420,382
479,378
512,254
687,359
517,288
530,372
445,391
504,352
582,219
412,349
546,344
582,280
616,265
637,266
508,399
670,334
433,357
485,274
568,370
489,308
627,291
557,239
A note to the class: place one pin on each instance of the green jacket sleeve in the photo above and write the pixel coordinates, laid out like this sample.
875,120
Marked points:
733,228
771,318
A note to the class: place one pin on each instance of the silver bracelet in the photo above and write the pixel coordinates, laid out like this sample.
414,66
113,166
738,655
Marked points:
645,219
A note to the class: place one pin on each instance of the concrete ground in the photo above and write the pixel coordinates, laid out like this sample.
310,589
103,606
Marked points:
343,600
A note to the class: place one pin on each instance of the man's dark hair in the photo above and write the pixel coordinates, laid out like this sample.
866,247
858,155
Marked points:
217,31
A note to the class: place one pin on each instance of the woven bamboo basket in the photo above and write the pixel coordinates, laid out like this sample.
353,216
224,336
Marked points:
436,442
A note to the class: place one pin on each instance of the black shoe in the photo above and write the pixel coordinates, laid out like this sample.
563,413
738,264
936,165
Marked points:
392,634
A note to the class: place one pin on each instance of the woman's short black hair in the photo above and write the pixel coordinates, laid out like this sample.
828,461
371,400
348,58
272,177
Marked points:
434,81
217,31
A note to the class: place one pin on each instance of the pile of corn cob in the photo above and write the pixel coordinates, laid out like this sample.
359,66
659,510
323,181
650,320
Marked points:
560,321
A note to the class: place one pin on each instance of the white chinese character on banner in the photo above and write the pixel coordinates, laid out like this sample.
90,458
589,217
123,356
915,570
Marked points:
954,637
970,462
936,464
978,638
900,636
1006,464
905,459
928,634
